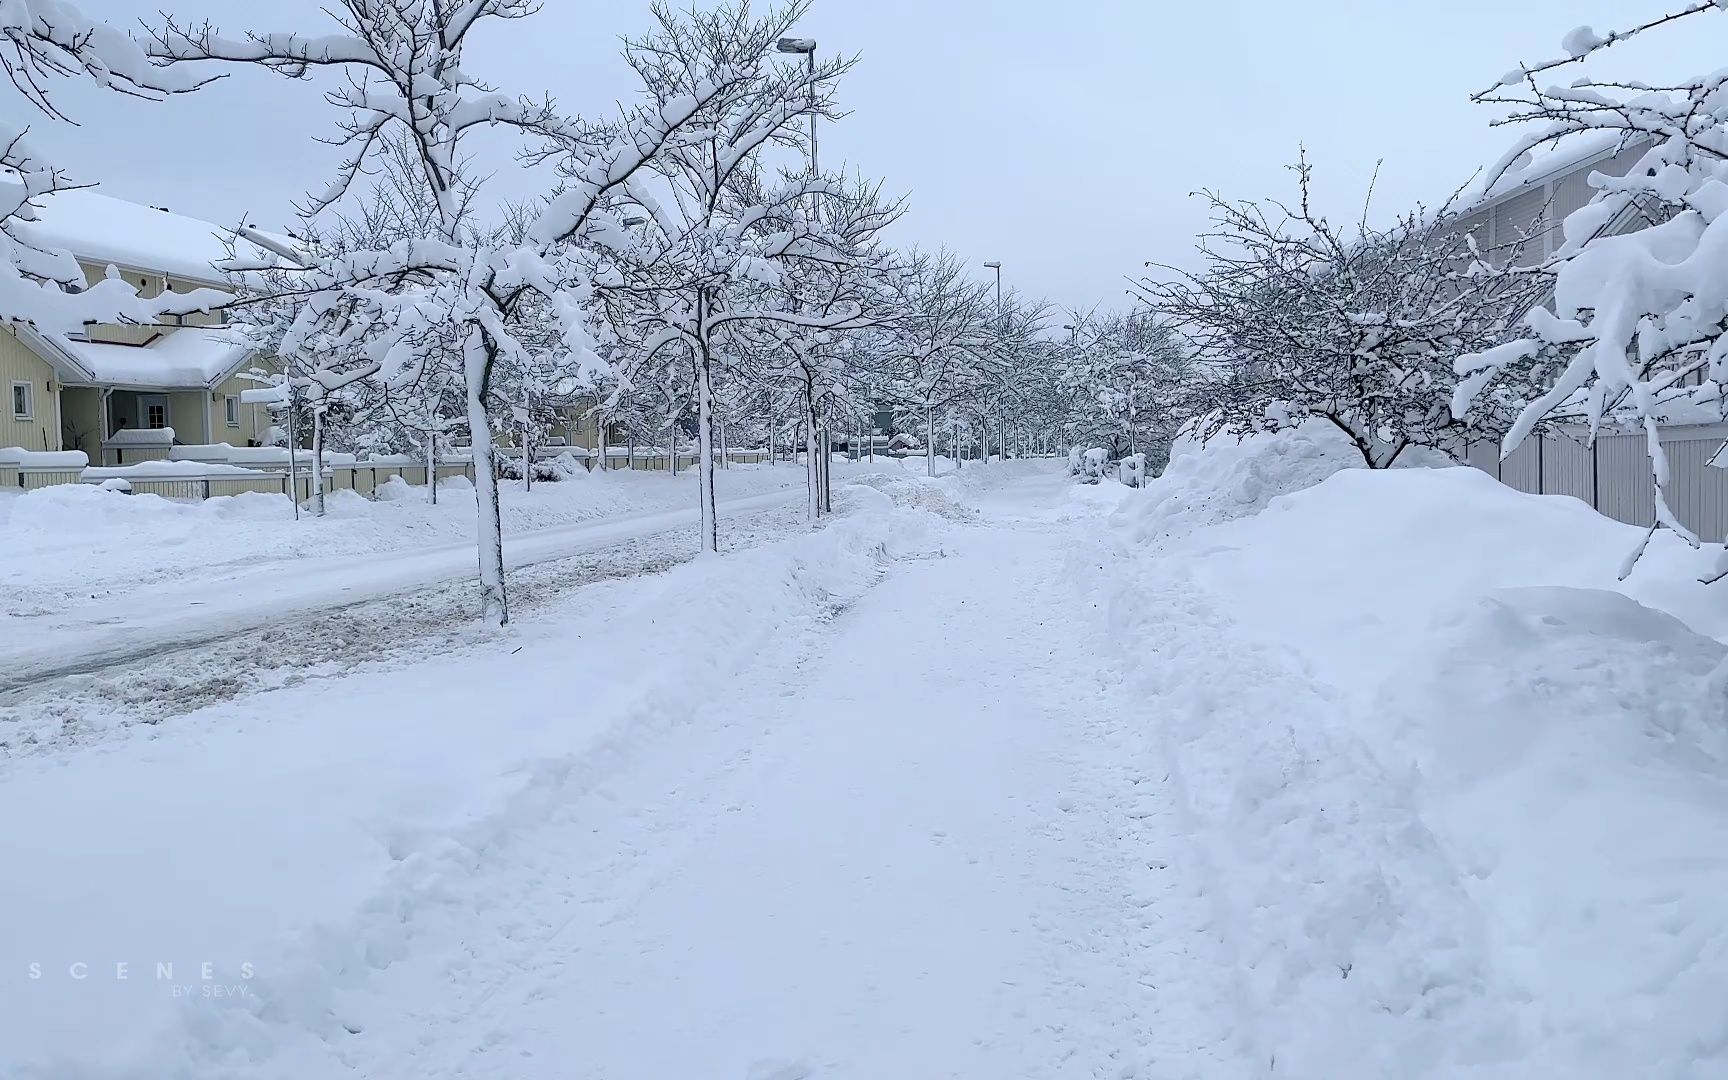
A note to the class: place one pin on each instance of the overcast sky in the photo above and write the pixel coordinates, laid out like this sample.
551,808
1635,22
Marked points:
1061,137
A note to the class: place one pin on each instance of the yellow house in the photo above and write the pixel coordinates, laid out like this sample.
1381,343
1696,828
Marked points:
76,392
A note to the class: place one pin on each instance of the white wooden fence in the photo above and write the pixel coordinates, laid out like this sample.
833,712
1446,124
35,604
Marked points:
1613,476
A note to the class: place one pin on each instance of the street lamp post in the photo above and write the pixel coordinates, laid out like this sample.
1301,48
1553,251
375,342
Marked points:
807,47
996,266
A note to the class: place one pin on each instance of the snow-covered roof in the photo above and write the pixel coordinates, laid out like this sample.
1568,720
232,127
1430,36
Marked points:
187,358
1540,164
102,229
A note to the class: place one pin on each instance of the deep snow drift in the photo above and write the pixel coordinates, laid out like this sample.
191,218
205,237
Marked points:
1470,792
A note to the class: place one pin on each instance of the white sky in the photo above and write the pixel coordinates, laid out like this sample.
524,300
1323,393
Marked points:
1060,138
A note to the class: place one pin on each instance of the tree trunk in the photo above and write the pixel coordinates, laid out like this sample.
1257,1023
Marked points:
318,458
929,440
827,444
293,450
812,466
600,440
705,448
494,607
432,466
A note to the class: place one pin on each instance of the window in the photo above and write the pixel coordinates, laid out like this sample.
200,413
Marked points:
23,401
231,408
156,416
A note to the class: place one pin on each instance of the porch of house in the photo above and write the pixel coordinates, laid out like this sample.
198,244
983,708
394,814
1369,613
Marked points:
90,415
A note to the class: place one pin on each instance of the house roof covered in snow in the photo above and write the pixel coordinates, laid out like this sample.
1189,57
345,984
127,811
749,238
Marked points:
191,358
101,229
1534,167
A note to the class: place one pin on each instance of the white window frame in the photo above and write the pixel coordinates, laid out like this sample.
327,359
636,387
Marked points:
231,410
29,412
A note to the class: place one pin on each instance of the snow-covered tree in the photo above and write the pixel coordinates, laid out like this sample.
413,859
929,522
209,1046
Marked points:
399,63
719,231
1125,380
1294,317
942,337
1640,281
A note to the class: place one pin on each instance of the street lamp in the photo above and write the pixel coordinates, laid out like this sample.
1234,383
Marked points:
806,46
1000,326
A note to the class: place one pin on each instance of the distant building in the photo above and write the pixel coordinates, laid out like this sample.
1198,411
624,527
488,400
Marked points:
77,392
1526,204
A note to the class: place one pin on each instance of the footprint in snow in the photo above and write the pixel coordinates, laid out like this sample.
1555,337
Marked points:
779,1070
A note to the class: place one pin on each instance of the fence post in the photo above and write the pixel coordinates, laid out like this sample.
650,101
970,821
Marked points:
1595,474
1541,464
206,489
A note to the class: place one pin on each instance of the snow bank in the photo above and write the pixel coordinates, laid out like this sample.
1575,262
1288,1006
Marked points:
1226,478
1467,794
299,849
168,470
126,544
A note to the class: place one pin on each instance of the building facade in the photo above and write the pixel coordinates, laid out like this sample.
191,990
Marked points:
74,392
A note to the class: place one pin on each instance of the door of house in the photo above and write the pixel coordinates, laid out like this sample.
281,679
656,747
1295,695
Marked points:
154,410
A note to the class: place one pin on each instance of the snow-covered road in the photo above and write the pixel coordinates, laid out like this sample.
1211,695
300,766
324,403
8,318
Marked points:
943,847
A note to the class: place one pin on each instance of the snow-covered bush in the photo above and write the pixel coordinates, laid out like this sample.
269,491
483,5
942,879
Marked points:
562,467
1294,317
1076,460
1132,470
1097,461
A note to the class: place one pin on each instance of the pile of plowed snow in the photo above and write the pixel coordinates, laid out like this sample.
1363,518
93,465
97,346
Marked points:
1467,791
1228,478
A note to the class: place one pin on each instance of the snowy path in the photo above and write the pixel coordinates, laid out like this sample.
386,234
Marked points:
942,847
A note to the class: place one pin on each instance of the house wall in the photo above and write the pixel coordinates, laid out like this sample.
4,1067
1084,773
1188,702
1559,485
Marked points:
253,418
189,415
1613,475
18,363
